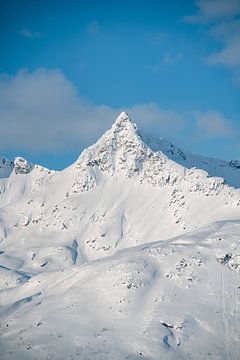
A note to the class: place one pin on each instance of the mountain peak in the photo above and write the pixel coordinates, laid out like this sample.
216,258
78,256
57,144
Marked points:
123,117
123,121
22,166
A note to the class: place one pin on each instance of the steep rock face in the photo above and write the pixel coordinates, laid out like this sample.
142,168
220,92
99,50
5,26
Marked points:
22,166
6,167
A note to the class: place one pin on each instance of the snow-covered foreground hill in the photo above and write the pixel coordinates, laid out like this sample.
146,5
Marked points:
132,252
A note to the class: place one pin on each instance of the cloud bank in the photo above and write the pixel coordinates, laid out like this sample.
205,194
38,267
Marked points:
43,111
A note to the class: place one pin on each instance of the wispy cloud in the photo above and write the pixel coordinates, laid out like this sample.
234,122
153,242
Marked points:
30,34
93,28
228,35
157,38
168,59
214,10
221,17
213,124
152,116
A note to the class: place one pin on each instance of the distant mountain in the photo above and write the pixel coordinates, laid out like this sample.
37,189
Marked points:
132,252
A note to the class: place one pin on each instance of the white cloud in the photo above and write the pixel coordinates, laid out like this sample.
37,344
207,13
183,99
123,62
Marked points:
227,34
30,34
43,111
222,20
214,10
213,124
150,116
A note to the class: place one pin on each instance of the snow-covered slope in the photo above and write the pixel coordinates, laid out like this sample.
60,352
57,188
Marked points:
131,252
229,170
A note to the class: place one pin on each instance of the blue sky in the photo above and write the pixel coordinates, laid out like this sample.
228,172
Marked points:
69,67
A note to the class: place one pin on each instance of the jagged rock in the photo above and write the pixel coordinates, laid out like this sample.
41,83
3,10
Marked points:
6,167
22,166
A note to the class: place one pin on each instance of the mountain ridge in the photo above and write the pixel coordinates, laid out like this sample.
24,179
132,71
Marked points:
120,161
124,133
125,254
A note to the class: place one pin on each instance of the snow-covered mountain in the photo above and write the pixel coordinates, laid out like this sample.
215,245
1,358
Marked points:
132,252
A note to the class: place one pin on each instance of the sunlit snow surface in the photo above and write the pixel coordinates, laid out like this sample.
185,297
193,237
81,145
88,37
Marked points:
133,252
